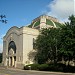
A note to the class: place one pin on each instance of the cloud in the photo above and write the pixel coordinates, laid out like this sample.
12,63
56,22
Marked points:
1,48
1,42
61,9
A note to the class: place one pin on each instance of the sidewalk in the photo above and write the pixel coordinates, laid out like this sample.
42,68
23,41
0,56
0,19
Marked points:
2,67
48,72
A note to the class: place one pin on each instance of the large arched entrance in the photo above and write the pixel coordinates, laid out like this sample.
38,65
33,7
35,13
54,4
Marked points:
12,54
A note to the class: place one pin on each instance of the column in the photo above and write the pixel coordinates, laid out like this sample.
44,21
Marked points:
15,64
9,61
6,62
13,61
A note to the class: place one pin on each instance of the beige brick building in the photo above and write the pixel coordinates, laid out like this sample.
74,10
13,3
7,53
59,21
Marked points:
18,42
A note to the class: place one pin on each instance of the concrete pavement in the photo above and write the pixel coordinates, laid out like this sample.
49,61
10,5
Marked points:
11,71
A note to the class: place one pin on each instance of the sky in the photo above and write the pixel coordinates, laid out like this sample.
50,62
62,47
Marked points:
22,12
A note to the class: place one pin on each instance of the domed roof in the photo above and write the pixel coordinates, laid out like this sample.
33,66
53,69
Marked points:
53,24
47,20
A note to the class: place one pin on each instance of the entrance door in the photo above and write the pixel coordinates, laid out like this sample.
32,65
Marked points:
10,61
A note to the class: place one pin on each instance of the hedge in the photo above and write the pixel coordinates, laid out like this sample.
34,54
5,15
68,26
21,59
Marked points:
59,67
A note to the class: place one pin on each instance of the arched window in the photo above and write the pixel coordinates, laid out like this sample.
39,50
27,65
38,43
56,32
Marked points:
12,45
33,43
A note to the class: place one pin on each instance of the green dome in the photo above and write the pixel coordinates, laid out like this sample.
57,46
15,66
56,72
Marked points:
49,22
46,20
36,23
54,24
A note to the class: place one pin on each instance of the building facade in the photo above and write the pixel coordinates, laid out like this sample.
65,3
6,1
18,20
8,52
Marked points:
19,42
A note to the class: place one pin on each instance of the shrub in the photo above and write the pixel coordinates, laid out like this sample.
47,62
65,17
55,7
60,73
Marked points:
69,68
60,66
43,67
33,67
51,67
56,67
26,67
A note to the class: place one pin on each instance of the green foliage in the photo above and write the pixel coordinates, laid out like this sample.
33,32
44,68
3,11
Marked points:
47,45
56,43
31,66
67,49
58,25
0,57
72,20
43,67
58,67
2,19
69,68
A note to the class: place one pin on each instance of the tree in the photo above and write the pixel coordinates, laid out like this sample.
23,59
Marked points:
56,43
0,57
47,45
67,49
2,19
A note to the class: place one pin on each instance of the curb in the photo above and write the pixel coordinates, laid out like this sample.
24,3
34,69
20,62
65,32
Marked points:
48,72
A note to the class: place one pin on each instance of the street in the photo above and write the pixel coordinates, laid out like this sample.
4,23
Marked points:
29,72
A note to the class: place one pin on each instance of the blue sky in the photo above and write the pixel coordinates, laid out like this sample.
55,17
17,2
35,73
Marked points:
22,12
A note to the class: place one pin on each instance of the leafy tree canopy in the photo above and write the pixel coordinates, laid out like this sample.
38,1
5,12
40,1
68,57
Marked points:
56,43
2,19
